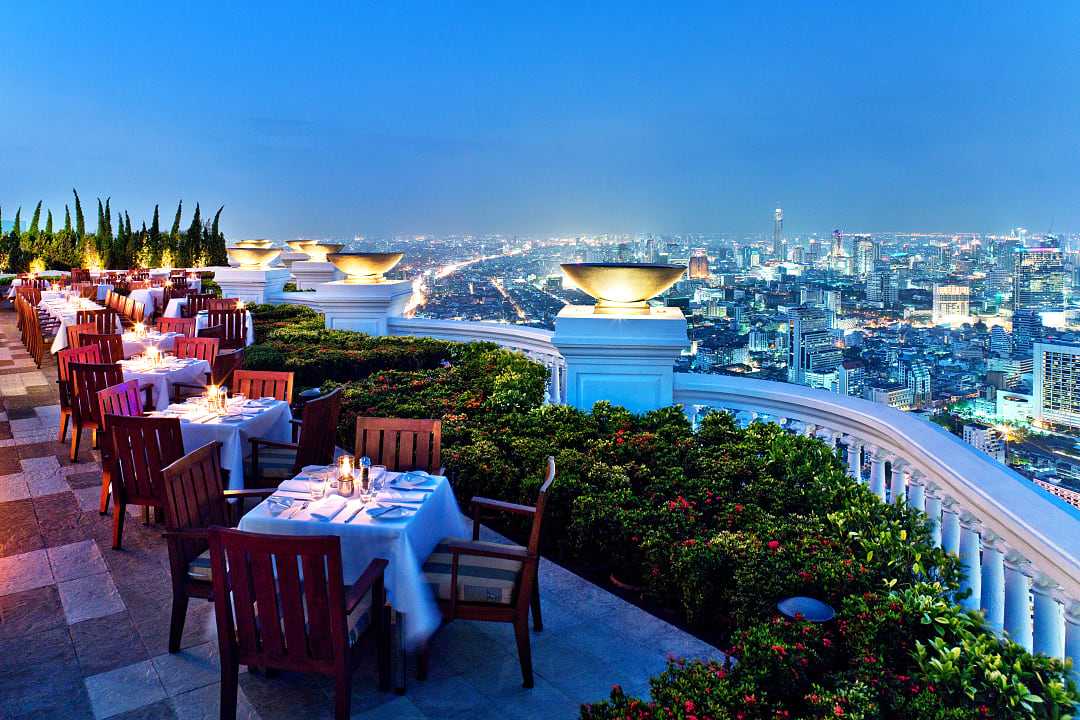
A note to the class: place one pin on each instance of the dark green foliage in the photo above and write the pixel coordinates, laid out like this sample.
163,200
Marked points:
80,222
48,224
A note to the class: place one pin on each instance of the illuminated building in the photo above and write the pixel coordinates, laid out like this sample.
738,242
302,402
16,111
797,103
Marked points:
1038,279
778,234
1026,330
987,439
882,288
866,255
851,378
699,265
1057,384
952,304
811,347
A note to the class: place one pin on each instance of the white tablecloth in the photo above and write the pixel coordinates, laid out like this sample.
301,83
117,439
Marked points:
173,310
151,298
134,345
192,372
273,423
64,311
405,542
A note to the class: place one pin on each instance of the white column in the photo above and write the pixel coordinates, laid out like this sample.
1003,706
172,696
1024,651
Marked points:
917,491
1072,637
971,560
950,527
897,486
809,429
1048,626
854,458
1017,601
993,585
877,474
933,510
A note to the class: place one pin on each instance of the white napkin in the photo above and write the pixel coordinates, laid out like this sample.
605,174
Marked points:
294,485
403,496
326,508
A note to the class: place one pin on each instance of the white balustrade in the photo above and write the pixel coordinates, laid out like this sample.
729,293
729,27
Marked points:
897,486
992,598
1017,601
877,473
971,563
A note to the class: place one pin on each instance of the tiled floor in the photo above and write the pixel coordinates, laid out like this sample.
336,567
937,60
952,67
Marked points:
84,629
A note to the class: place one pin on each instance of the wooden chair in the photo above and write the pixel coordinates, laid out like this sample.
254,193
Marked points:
276,461
401,444
122,399
489,581
214,331
88,292
222,368
263,383
89,354
178,284
221,304
86,380
270,617
138,312
184,326
195,500
32,330
195,303
200,348
112,345
235,322
104,320
76,332
142,448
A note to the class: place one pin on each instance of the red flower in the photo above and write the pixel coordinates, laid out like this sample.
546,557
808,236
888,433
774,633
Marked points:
774,544
779,650
738,507
837,710
689,706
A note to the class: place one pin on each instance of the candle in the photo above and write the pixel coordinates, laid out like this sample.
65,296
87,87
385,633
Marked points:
345,466
140,330
240,304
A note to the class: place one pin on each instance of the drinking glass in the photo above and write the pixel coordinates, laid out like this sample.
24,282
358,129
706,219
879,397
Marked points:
378,477
318,488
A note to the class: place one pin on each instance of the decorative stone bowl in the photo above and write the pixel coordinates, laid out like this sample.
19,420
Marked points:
249,258
252,244
318,251
298,245
622,287
364,267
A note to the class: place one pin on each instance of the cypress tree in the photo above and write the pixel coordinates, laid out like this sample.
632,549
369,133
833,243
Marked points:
216,252
193,239
48,225
35,220
176,221
153,240
17,229
80,222
67,218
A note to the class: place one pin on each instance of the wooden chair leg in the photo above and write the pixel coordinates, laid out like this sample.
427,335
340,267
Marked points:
538,622
382,647
230,677
343,694
65,416
423,661
521,634
119,512
176,622
76,440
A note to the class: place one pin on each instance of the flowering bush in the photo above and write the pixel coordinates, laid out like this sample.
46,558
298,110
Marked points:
716,523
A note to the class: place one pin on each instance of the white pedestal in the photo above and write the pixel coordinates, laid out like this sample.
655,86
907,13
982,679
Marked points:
252,286
310,273
363,308
288,258
627,359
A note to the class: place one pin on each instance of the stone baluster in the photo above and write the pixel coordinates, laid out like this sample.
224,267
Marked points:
993,582
1017,600
1072,637
950,526
809,429
1048,622
877,473
897,486
933,511
854,458
971,560
916,496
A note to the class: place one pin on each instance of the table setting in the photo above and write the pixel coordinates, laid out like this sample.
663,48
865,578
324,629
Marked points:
63,305
230,420
154,368
377,513
173,310
140,337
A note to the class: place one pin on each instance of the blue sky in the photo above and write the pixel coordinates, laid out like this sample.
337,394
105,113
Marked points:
330,119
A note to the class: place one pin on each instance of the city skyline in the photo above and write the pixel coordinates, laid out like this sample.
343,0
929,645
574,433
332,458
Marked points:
552,120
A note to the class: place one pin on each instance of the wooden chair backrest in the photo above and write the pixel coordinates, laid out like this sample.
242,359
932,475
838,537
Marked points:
142,448
399,443
127,307
263,383
194,499
197,302
222,304
178,285
88,292
112,345
30,293
32,334
201,348
80,275
86,380
214,331
104,320
235,322
138,311
265,616
64,359
541,504
123,399
319,430
185,326
76,332
225,365
139,285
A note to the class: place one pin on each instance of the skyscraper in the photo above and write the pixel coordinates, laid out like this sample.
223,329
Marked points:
882,287
1026,330
867,253
811,348
699,265
917,379
778,234
1038,278
952,304
1057,384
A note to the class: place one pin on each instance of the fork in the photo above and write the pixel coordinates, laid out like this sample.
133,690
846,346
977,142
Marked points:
298,507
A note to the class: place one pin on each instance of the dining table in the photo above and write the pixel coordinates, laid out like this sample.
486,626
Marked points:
136,343
164,372
173,310
403,520
244,418
64,306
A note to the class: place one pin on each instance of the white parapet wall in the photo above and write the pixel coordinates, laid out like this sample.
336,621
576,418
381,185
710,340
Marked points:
252,286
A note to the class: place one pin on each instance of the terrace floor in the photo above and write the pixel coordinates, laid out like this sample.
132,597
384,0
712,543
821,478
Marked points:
84,629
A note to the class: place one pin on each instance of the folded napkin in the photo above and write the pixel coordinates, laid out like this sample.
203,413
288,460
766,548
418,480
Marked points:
295,485
406,496
327,508
313,468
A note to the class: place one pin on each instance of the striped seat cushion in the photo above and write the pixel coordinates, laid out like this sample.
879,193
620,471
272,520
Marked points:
276,462
480,579
199,568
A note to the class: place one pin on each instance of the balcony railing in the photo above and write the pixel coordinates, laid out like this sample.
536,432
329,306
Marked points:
1020,546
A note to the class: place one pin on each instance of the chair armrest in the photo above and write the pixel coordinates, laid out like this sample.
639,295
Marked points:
506,552
257,441
483,503
260,492
367,580
187,534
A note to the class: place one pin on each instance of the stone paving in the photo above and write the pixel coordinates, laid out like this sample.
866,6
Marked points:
84,628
